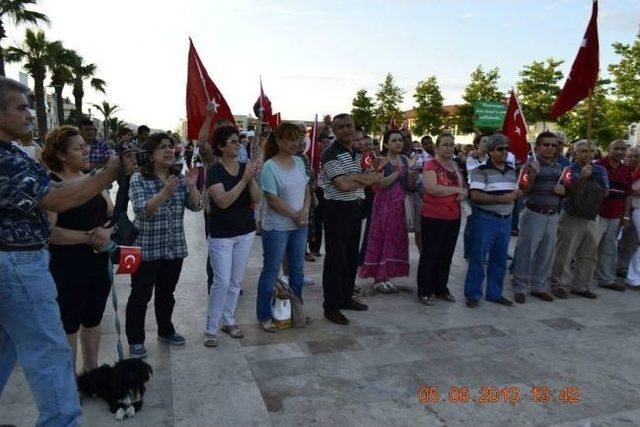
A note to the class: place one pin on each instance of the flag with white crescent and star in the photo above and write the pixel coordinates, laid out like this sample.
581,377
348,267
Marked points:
515,128
130,259
203,97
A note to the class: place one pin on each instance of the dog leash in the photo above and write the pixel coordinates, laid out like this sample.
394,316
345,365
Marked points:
114,302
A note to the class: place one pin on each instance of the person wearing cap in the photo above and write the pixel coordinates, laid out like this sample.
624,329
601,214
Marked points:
31,331
493,189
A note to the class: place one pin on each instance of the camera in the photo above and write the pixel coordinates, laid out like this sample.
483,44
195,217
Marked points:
142,156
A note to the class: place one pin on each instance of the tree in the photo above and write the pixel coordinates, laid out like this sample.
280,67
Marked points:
538,88
115,124
81,72
16,10
60,67
107,110
36,54
606,125
482,87
388,99
626,76
429,111
362,111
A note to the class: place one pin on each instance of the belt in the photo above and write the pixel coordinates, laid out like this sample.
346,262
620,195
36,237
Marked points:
23,248
544,210
496,214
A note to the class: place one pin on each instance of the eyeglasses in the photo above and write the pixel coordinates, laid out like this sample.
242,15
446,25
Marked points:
548,144
501,149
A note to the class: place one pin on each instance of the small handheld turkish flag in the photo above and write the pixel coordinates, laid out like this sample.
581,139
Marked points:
565,177
367,161
515,128
130,258
523,178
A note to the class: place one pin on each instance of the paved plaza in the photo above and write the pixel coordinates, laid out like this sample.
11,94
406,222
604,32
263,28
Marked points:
370,372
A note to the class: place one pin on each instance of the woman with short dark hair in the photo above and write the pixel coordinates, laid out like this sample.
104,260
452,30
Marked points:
78,267
233,190
159,194
444,189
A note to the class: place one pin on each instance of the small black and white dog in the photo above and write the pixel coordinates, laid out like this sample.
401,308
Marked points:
120,385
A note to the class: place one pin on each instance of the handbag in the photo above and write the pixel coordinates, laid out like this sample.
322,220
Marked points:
409,213
585,198
126,233
281,307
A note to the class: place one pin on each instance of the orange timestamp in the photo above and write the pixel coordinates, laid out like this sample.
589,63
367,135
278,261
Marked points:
430,394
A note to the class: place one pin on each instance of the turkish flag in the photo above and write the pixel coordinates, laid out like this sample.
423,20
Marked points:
515,128
313,156
523,178
584,72
130,258
202,96
565,177
262,109
393,125
405,126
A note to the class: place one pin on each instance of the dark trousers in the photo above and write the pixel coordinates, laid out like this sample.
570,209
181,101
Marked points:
342,224
162,275
439,237
315,234
209,269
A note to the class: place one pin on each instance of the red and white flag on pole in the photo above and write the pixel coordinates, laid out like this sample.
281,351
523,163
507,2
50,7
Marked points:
405,126
393,125
202,96
515,128
584,71
262,109
565,177
130,259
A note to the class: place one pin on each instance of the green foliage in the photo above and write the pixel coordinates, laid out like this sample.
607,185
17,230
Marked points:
388,99
626,75
429,111
80,72
362,110
482,87
538,89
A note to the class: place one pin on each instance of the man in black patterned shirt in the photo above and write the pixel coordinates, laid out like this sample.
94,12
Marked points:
343,185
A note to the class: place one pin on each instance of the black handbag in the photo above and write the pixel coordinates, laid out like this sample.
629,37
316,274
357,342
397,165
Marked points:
126,233
585,198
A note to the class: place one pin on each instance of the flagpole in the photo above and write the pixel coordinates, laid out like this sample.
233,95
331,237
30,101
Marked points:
589,115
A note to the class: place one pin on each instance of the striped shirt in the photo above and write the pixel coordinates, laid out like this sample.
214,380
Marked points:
491,180
541,194
337,160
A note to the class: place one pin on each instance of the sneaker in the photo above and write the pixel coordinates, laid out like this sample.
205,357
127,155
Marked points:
138,351
232,330
173,339
269,326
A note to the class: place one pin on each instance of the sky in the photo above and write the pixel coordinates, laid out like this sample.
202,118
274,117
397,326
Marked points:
314,55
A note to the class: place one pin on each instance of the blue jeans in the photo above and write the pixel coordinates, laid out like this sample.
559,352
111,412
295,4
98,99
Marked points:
489,236
275,244
31,333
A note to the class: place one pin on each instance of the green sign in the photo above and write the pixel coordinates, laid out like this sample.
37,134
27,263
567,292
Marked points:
488,114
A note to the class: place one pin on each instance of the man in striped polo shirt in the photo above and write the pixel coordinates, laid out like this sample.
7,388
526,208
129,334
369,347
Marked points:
343,185
493,189
539,221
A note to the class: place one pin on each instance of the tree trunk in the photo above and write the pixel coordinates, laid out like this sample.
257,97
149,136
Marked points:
59,104
41,112
77,97
2,36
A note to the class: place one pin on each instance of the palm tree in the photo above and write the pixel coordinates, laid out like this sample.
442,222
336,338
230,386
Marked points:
115,124
107,110
60,68
81,72
36,54
17,12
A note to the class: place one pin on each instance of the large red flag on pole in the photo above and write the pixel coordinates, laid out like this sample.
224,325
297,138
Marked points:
515,128
584,72
202,96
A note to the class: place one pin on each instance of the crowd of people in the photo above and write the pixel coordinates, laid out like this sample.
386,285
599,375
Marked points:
56,214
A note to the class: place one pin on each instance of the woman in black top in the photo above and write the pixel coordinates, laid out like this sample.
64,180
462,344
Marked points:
233,191
78,268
